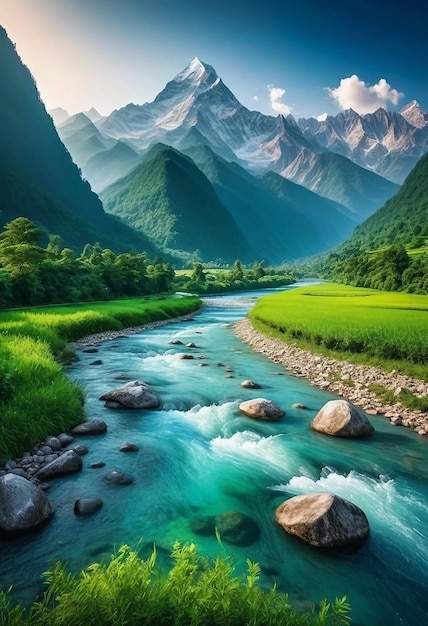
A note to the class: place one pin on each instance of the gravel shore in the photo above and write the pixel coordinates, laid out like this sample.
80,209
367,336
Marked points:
342,378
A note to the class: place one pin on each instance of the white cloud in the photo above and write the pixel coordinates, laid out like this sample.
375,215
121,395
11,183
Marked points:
353,93
256,98
322,117
276,94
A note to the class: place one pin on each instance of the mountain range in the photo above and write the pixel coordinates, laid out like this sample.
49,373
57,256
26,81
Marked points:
194,174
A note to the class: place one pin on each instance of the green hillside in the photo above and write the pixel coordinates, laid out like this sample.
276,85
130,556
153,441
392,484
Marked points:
281,227
169,199
403,218
31,152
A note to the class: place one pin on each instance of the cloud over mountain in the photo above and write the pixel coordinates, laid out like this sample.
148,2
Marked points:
353,93
276,94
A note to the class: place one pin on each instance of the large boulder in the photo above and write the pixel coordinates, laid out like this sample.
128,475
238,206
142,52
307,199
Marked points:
342,419
133,395
23,505
261,409
323,520
67,463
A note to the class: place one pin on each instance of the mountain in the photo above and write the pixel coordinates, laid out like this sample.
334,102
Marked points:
106,167
337,178
279,224
387,143
197,108
402,218
33,157
59,115
414,114
169,199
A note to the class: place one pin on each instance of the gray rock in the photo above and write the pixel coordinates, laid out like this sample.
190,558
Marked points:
45,450
80,449
128,446
18,471
187,357
298,405
91,427
23,505
53,442
65,439
262,409
67,463
133,395
117,478
87,506
10,465
176,342
96,362
250,384
323,520
340,418
97,464
90,350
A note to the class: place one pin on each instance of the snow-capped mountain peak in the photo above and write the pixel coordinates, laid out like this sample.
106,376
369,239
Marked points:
196,73
414,114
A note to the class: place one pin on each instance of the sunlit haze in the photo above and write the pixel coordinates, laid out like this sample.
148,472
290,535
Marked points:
308,58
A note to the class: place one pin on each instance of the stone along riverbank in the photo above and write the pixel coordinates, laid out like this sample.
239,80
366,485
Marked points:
342,378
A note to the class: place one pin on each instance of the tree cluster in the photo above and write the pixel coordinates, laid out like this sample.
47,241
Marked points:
32,275
203,280
390,269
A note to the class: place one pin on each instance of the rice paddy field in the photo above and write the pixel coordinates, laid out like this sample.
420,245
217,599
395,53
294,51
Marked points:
388,329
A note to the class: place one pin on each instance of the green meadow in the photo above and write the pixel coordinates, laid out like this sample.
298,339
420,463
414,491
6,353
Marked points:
387,329
36,399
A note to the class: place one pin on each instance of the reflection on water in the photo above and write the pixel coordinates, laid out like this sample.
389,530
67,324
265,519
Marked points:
199,456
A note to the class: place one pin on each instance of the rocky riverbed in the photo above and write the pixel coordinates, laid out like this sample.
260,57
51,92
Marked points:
342,378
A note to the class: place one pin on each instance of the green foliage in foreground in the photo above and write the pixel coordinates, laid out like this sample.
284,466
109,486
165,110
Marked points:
195,591
36,399
386,329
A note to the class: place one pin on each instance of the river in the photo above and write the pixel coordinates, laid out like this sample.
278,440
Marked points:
199,456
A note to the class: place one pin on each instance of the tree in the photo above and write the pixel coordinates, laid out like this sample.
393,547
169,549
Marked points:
18,246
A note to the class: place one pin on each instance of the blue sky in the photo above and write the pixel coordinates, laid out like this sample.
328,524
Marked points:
301,56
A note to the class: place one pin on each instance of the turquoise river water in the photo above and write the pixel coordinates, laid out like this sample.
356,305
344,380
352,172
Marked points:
198,456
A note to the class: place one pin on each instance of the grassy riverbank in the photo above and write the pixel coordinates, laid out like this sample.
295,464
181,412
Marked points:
36,399
362,325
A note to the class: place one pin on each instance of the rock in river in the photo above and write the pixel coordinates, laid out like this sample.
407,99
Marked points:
342,419
262,409
133,395
67,463
91,427
237,528
23,505
323,520
87,506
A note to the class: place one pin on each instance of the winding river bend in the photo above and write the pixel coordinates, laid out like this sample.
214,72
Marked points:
199,456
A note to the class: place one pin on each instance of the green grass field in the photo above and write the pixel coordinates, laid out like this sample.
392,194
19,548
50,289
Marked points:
387,329
36,399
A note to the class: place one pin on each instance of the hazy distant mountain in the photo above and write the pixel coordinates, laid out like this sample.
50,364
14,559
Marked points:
403,217
38,178
108,166
59,115
169,199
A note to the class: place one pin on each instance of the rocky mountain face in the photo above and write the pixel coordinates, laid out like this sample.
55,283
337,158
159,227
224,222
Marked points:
197,108
389,144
